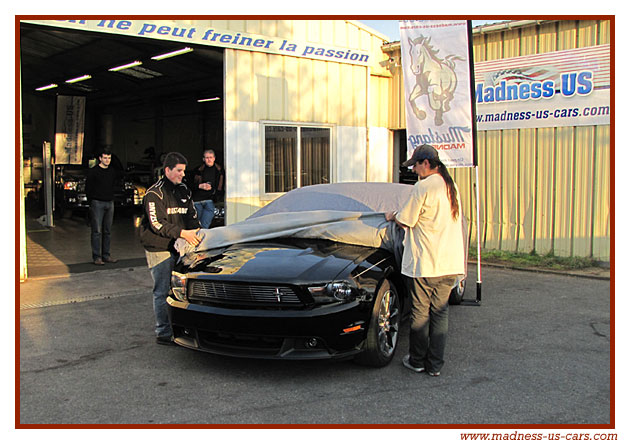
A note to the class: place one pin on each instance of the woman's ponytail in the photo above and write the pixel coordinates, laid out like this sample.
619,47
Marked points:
450,186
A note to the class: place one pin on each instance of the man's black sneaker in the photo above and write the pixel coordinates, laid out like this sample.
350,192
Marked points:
164,340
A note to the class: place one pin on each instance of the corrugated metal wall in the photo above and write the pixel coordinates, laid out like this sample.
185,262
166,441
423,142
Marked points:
545,190
262,87
273,87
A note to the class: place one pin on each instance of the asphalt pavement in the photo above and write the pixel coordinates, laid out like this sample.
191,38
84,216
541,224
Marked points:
537,351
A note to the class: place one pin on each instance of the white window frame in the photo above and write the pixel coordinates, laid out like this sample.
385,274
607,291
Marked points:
264,196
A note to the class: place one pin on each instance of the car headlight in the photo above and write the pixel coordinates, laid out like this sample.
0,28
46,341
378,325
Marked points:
178,285
334,292
70,185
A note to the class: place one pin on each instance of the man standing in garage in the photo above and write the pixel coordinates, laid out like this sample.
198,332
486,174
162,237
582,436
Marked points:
99,188
207,185
433,256
168,215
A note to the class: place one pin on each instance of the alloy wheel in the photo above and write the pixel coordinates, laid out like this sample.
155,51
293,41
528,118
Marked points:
388,323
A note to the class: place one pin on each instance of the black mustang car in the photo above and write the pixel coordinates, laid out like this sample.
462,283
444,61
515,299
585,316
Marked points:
296,292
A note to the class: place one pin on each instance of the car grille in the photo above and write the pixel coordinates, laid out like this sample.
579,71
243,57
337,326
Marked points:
221,293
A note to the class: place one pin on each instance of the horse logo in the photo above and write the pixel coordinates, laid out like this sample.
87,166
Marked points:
435,78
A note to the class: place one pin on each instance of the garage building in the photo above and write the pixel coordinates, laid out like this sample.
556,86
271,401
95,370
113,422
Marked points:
289,103
283,103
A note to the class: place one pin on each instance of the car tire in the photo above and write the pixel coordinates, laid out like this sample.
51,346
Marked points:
383,331
457,293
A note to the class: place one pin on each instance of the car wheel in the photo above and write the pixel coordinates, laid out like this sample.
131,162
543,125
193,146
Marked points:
457,293
382,335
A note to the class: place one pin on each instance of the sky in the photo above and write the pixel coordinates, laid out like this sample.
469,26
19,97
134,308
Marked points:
390,27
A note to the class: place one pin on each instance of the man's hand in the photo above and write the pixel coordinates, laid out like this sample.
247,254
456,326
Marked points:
205,186
190,236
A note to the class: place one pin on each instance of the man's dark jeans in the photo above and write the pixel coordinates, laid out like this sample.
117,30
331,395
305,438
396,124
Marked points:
101,219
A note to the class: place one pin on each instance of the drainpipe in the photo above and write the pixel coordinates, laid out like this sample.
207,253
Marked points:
367,123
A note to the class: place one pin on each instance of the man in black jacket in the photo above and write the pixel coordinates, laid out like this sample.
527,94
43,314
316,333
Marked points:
206,186
168,214
99,187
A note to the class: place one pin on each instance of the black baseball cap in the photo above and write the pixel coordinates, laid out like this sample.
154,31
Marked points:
422,152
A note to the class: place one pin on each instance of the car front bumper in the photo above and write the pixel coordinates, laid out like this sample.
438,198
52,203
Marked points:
316,333
78,202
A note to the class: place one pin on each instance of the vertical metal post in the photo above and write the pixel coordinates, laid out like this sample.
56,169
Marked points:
478,236
473,110
49,184
22,228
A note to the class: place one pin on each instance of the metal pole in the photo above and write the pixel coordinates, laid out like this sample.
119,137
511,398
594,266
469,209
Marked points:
478,236
49,184
471,65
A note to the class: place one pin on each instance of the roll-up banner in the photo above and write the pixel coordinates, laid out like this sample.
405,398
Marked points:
436,57
69,129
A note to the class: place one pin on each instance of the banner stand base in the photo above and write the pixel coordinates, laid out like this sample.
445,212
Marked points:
473,302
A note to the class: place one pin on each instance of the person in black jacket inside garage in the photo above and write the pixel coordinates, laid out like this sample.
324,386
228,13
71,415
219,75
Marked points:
206,187
168,215
99,188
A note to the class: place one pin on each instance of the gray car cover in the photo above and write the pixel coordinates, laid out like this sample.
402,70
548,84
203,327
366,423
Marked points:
352,213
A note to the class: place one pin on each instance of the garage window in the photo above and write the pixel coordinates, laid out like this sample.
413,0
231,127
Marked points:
296,156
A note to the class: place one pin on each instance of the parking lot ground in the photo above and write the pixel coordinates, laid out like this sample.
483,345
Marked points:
537,351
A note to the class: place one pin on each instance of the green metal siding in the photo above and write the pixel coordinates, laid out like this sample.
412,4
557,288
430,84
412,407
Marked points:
544,190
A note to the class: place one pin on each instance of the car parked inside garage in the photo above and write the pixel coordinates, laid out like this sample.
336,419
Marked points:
70,193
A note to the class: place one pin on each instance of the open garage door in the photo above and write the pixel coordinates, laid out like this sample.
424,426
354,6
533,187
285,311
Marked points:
141,111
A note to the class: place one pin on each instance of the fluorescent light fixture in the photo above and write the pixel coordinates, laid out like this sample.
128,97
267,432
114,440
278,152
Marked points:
79,79
172,54
128,65
44,88
209,100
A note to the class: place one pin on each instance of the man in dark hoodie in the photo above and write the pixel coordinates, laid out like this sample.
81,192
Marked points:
169,214
99,187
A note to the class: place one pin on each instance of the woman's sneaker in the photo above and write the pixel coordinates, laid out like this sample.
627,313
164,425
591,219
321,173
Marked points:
410,366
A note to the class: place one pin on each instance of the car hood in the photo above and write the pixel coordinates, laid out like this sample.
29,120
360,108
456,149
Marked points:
292,261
